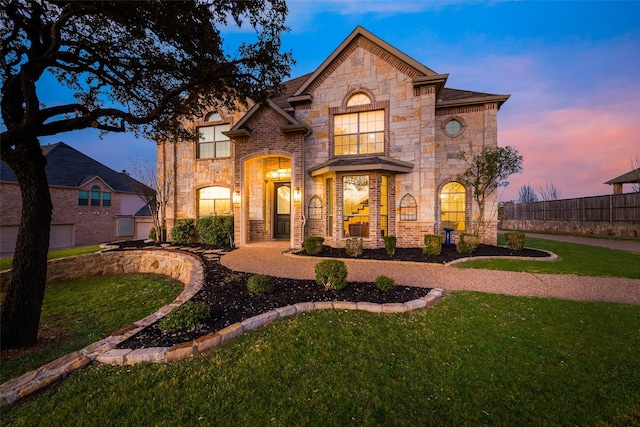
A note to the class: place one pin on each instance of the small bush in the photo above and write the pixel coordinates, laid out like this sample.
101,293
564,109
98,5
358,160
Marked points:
468,243
313,245
514,240
384,283
216,230
153,234
353,247
432,244
390,244
187,316
183,231
259,284
332,274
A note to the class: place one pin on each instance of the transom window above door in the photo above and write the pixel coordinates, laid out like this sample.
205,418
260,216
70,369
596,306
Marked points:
359,133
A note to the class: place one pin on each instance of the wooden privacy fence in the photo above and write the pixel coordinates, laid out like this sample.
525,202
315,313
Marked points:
610,208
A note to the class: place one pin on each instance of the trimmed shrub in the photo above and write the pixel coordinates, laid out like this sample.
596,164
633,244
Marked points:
468,243
153,235
432,244
353,247
313,245
514,240
259,284
390,244
332,274
216,230
187,316
384,283
183,231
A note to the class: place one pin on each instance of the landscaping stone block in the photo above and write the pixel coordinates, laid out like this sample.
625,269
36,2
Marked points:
207,342
40,383
323,305
394,308
230,332
288,310
303,307
370,307
8,398
345,305
416,304
153,355
259,320
115,356
181,351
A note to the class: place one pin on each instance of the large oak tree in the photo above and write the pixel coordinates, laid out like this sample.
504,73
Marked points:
133,66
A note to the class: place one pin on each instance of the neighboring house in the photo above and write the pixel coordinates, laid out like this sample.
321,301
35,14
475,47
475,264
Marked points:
631,177
91,202
367,145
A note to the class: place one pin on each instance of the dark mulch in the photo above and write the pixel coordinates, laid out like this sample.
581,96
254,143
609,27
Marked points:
225,291
448,254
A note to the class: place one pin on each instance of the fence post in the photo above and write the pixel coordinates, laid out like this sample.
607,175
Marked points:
610,208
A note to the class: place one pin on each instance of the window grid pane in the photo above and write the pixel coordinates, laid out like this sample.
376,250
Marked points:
453,206
359,133
213,143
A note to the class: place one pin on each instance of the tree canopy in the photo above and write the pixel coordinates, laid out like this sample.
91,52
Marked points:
132,66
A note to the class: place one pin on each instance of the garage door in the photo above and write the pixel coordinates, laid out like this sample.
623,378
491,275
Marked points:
142,230
61,236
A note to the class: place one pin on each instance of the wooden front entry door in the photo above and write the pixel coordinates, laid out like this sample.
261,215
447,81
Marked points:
282,229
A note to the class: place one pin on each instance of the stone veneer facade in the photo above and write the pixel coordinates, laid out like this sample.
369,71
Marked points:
296,132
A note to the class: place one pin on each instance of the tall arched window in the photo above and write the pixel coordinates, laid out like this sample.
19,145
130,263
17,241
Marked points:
453,198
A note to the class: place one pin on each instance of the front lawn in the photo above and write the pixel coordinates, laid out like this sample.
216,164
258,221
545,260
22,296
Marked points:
5,263
574,259
76,313
474,359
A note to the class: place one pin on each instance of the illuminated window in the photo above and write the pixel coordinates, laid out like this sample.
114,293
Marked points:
213,144
214,201
453,206
358,99
359,133
355,208
384,205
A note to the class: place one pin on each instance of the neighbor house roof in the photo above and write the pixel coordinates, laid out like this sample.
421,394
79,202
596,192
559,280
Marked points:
631,177
68,167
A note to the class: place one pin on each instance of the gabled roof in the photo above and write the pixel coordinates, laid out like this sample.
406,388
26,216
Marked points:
632,177
418,68
294,125
68,167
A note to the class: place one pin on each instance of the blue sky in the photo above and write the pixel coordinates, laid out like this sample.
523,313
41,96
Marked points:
572,69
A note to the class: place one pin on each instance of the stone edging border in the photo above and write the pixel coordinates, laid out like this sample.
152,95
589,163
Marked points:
104,351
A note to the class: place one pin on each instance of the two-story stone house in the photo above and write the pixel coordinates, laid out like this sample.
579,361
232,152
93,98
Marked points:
367,145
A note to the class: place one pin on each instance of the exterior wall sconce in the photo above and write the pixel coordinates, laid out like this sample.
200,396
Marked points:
297,195
236,197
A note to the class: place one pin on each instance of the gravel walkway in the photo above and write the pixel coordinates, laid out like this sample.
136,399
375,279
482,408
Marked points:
268,258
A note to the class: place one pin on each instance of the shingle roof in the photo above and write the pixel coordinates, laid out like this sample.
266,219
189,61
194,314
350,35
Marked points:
631,177
68,167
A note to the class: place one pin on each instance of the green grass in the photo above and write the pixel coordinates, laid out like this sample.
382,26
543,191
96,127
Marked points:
82,311
474,359
575,259
5,263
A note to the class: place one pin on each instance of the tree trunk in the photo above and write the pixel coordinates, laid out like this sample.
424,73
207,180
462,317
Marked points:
23,304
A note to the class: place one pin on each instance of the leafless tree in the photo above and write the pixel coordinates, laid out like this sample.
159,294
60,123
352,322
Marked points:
635,167
549,192
155,193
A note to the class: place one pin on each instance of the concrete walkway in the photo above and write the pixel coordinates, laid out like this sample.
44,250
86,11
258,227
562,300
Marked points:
268,258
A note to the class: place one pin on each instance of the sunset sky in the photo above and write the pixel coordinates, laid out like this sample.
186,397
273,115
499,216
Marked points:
572,69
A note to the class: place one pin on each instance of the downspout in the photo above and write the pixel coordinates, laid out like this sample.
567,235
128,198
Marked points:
304,218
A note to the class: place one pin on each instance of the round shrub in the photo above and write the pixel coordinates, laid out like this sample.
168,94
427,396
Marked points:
216,230
313,245
187,316
259,284
390,244
468,243
514,240
432,244
183,230
353,247
332,274
384,283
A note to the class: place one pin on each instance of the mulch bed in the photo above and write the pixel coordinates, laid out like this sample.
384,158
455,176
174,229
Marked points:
226,293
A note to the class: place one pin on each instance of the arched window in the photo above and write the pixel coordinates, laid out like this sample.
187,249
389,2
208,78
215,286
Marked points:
358,99
408,208
315,208
214,201
453,198
212,116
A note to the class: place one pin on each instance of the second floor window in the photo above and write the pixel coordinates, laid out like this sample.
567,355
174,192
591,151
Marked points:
359,133
213,144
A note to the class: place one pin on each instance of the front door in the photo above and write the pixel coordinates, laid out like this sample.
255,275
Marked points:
282,229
